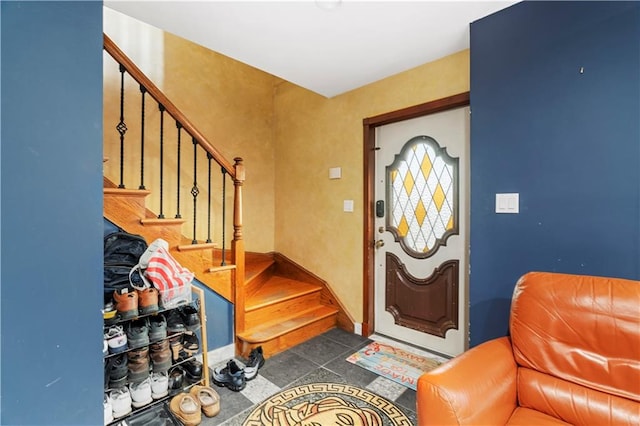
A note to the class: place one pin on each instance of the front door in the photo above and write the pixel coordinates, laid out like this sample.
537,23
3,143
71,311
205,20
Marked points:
421,230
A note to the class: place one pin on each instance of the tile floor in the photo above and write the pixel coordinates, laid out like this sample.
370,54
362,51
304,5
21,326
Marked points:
322,358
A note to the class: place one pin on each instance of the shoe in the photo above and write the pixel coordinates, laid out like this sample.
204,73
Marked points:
177,349
208,399
105,348
121,402
138,333
109,313
159,385
126,303
138,364
116,339
192,371
140,393
108,409
190,343
190,317
147,300
116,370
176,379
175,323
230,376
255,362
186,409
160,354
157,328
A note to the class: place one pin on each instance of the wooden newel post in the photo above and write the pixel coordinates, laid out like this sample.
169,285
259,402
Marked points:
237,203
237,248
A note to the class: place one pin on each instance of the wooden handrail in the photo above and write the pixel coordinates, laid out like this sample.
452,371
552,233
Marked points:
157,94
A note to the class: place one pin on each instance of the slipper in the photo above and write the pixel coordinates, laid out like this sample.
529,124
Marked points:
208,398
186,408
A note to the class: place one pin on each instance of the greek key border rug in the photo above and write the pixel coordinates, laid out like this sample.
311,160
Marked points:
326,404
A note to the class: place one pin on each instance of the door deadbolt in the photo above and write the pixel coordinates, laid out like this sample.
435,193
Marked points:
381,229
378,244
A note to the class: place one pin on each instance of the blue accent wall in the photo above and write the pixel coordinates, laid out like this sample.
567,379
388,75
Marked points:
567,141
51,201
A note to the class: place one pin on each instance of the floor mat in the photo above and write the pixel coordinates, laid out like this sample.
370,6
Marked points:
394,363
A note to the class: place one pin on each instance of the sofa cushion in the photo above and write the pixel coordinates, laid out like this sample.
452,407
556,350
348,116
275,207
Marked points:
585,330
573,403
528,417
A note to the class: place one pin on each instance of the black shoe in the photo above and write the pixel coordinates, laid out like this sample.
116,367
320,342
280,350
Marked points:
175,323
116,372
230,376
192,370
191,317
176,380
190,343
255,362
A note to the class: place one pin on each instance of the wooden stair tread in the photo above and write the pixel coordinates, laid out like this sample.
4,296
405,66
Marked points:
196,246
126,192
286,325
165,221
278,289
253,269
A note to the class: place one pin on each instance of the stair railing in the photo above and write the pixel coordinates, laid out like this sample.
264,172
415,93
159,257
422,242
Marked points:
201,146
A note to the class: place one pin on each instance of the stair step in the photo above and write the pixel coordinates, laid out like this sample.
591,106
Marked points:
255,268
126,192
278,289
196,246
287,325
162,222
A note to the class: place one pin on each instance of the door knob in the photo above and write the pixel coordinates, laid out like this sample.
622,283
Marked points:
378,244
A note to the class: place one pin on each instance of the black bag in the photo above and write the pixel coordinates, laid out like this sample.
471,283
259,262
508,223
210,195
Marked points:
122,252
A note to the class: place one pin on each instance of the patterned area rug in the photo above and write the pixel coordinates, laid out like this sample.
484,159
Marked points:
326,404
399,365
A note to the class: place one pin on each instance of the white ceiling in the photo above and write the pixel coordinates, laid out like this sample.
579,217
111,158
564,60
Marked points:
326,46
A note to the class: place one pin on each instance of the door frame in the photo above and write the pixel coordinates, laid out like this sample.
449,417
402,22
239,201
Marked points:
369,128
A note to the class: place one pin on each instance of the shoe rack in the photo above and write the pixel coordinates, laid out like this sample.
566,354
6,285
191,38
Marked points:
197,300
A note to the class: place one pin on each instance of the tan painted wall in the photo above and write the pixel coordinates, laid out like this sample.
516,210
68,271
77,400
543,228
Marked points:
312,134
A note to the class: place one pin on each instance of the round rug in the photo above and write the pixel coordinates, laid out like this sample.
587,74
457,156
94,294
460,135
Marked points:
326,404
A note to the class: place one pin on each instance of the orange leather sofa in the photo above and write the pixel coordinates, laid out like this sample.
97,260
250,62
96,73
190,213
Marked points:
572,357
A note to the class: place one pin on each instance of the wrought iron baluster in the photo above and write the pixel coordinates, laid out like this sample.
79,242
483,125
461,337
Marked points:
121,127
209,157
194,190
161,107
179,126
224,211
143,90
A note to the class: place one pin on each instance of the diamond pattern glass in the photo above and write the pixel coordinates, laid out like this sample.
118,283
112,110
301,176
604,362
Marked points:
422,196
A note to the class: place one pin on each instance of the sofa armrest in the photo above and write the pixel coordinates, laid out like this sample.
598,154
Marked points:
476,387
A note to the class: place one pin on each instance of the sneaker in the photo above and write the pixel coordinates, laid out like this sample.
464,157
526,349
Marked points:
255,362
108,409
138,333
148,300
190,317
121,402
190,343
208,398
140,393
116,371
126,303
160,356
175,323
159,385
157,328
185,407
116,339
138,364
192,371
230,376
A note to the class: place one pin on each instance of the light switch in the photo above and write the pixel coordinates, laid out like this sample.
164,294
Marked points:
335,173
348,205
508,203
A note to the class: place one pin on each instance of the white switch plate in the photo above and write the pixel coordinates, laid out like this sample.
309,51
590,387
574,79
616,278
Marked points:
335,173
348,205
508,203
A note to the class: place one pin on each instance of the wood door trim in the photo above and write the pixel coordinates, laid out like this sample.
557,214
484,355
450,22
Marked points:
369,136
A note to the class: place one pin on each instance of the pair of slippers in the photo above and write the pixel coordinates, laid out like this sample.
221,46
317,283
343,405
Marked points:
188,407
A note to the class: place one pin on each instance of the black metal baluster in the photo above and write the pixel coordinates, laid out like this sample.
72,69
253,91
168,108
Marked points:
143,90
194,190
209,157
121,127
179,126
161,107
224,211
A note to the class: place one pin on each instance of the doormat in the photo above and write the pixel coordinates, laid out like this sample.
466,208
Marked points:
397,364
326,404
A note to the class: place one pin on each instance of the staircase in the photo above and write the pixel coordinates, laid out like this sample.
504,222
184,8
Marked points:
277,304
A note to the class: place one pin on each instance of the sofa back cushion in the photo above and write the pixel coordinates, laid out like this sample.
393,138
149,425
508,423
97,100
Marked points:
581,329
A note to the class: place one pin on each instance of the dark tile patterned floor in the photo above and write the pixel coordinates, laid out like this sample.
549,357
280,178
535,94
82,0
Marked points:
321,359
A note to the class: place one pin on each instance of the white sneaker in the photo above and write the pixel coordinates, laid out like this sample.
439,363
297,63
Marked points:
121,402
108,409
140,393
116,339
159,385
